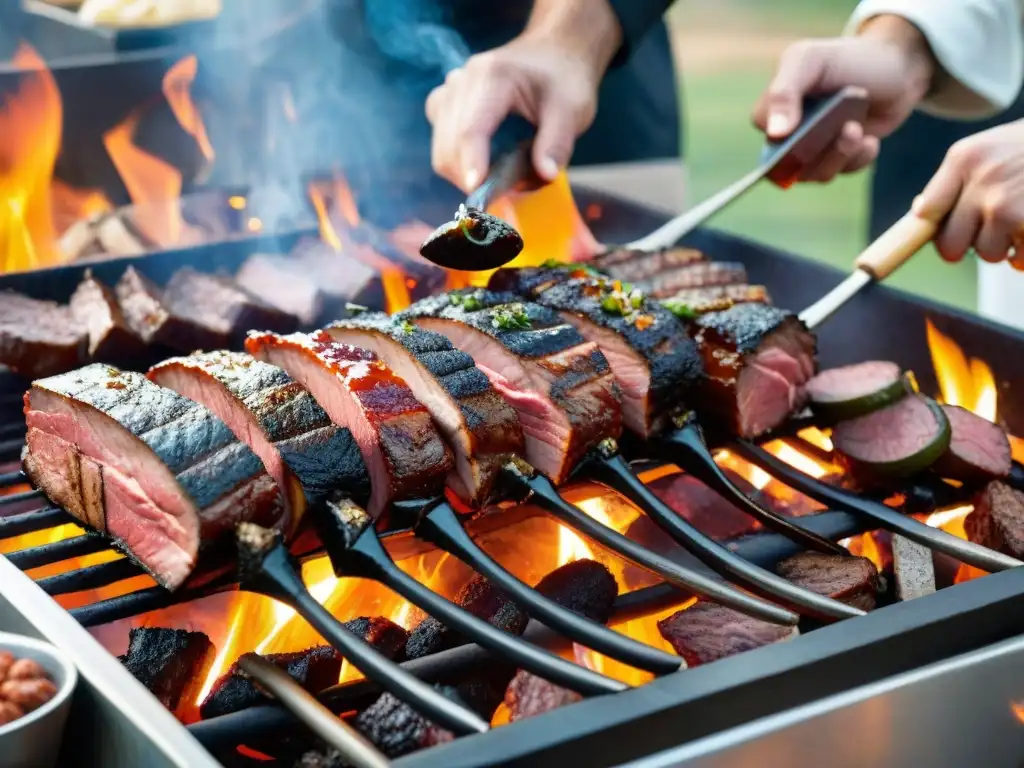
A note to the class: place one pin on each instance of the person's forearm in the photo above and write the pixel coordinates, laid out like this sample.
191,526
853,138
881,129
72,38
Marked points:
588,29
921,66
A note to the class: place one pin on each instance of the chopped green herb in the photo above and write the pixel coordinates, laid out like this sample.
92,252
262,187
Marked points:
679,309
406,326
511,317
612,304
636,299
355,309
471,303
555,264
456,299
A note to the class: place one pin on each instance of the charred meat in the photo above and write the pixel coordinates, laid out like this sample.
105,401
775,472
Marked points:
478,424
397,729
277,418
559,384
401,447
851,580
585,587
633,265
95,308
154,470
171,663
528,695
718,297
284,284
383,634
39,338
707,632
997,521
703,274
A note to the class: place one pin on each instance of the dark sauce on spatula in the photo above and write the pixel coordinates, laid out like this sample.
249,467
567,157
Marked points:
473,241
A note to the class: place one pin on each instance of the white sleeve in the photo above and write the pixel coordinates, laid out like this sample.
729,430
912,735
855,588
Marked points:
979,43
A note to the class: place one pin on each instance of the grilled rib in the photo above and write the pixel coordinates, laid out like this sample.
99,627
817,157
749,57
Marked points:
633,265
478,424
559,384
402,449
719,297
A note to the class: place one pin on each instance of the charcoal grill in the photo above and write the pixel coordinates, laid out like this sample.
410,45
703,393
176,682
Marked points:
880,323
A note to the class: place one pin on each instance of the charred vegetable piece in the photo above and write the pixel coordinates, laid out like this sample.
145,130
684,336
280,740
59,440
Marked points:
978,449
473,241
907,437
855,390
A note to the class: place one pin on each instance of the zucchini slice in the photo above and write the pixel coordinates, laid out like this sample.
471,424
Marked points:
855,390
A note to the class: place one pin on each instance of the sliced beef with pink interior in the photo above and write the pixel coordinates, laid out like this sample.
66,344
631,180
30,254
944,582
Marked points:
156,471
403,451
718,297
221,305
39,338
702,274
478,424
632,264
303,450
978,449
756,361
655,362
528,696
852,580
559,383
707,632
111,340
997,521
142,303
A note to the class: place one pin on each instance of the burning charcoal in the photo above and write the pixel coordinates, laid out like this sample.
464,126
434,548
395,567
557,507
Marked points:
585,587
95,308
708,632
314,669
383,634
282,283
997,521
528,695
397,729
481,599
222,306
142,303
851,580
39,338
171,663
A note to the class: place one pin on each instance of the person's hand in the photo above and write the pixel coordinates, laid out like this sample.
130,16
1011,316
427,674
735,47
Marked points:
890,59
549,75
979,191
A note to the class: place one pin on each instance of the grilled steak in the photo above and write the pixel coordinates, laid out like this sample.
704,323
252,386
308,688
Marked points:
978,449
383,634
340,276
707,632
142,304
483,600
630,264
217,303
559,384
314,669
171,663
699,275
997,521
39,338
704,508
851,580
585,587
95,308
156,471
397,729
280,282
718,297
654,361
528,695
476,421
756,361
402,449
301,448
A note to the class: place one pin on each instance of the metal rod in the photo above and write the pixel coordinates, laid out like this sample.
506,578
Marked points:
355,748
616,474
16,498
12,478
278,578
90,577
441,526
30,522
366,557
47,554
685,447
933,538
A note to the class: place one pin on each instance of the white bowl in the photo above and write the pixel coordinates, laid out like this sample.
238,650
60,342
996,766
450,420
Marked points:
33,741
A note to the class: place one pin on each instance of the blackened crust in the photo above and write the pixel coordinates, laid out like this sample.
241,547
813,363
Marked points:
743,327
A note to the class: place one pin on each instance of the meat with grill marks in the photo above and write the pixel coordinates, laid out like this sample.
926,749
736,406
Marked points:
478,424
997,521
39,338
560,384
95,308
756,361
635,265
402,449
655,363
307,454
699,275
156,471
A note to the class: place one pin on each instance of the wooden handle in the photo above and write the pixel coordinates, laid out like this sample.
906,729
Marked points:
894,246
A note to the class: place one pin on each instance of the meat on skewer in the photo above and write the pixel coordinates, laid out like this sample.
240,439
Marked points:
277,418
482,429
401,447
154,470
559,384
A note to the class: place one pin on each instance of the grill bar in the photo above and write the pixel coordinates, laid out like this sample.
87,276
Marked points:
16,498
8,479
47,554
90,577
30,522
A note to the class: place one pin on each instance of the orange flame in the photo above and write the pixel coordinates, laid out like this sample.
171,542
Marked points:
177,89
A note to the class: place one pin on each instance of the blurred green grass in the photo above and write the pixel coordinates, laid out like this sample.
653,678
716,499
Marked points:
825,222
